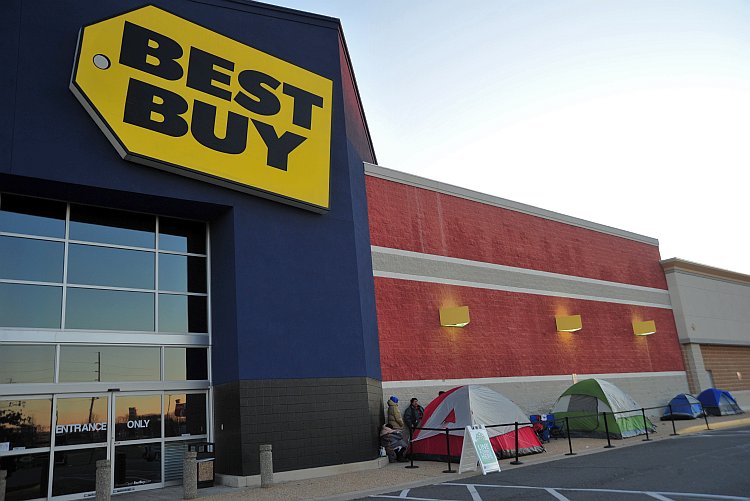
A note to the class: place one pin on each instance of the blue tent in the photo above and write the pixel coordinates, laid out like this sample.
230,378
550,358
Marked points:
683,406
719,402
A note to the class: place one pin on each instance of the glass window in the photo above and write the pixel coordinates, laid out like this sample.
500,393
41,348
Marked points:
185,364
92,265
81,420
182,313
75,471
182,236
137,417
27,364
184,414
28,476
136,465
182,273
25,423
109,310
95,224
34,260
32,216
37,306
109,363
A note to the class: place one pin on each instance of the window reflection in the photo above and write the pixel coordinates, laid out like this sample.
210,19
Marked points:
185,364
25,423
182,273
27,364
137,464
92,265
81,420
137,417
182,236
33,260
103,363
32,216
182,313
37,306
75,471
184,414
96,224
28,476
109,310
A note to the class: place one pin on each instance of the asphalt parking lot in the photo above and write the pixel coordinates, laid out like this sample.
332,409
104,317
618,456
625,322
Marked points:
712,465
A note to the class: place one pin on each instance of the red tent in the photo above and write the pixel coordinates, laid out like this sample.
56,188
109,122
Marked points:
472,405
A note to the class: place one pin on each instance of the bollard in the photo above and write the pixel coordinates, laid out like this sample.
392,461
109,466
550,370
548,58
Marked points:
190,475
674,429
570,444
3,474
448,448
705,416
606,430
516,461
411,452
645,426
103,480
266,465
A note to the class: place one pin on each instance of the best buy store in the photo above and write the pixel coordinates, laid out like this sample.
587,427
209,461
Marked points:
186,254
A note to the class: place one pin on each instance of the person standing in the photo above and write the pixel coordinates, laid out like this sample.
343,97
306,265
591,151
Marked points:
395,420
413,414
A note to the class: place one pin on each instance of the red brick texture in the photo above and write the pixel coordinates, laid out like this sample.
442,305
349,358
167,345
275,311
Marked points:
513,334
725,362
419,220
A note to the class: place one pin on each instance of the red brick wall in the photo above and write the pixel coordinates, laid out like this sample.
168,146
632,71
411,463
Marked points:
513,334
419,220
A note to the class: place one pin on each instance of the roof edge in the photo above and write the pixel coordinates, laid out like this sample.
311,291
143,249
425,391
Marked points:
457,191
675,264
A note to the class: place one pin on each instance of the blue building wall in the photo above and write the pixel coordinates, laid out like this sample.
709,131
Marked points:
291,290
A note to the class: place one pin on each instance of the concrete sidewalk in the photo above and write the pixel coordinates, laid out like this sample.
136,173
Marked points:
396,476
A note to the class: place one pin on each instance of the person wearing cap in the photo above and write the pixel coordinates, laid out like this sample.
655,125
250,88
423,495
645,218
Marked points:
395,420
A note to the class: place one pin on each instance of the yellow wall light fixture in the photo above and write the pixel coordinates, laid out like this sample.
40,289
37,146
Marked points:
568,323
454,317
644,328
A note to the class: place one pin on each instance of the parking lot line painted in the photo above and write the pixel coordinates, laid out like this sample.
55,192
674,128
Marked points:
611,491
474,494
658,496
557,494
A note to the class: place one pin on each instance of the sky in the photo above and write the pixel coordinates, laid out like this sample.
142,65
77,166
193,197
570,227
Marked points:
633,114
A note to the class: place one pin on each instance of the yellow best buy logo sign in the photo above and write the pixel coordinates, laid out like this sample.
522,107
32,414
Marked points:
174,95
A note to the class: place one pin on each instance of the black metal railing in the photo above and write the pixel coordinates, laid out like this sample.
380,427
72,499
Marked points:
566,431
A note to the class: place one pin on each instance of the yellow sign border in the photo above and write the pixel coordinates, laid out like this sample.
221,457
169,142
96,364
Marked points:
181,170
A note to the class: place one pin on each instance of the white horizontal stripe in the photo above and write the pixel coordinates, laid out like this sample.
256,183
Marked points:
513,269
477,285
526,379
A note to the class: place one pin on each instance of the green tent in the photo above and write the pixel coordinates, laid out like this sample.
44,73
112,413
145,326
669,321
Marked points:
584,402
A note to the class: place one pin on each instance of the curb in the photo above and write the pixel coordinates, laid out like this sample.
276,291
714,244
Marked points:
717,426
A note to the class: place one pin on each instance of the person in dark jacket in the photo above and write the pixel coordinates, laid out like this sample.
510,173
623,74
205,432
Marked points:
413,414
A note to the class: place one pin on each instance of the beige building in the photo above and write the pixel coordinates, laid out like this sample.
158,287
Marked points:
712,312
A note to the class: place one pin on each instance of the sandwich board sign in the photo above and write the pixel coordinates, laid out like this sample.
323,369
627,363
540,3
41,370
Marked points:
477,450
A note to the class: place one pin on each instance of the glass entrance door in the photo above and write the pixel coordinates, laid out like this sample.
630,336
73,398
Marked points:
137,441
123,427
144,435
81,425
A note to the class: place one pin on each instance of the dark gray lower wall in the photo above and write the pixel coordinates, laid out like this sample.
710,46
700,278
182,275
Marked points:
309,423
